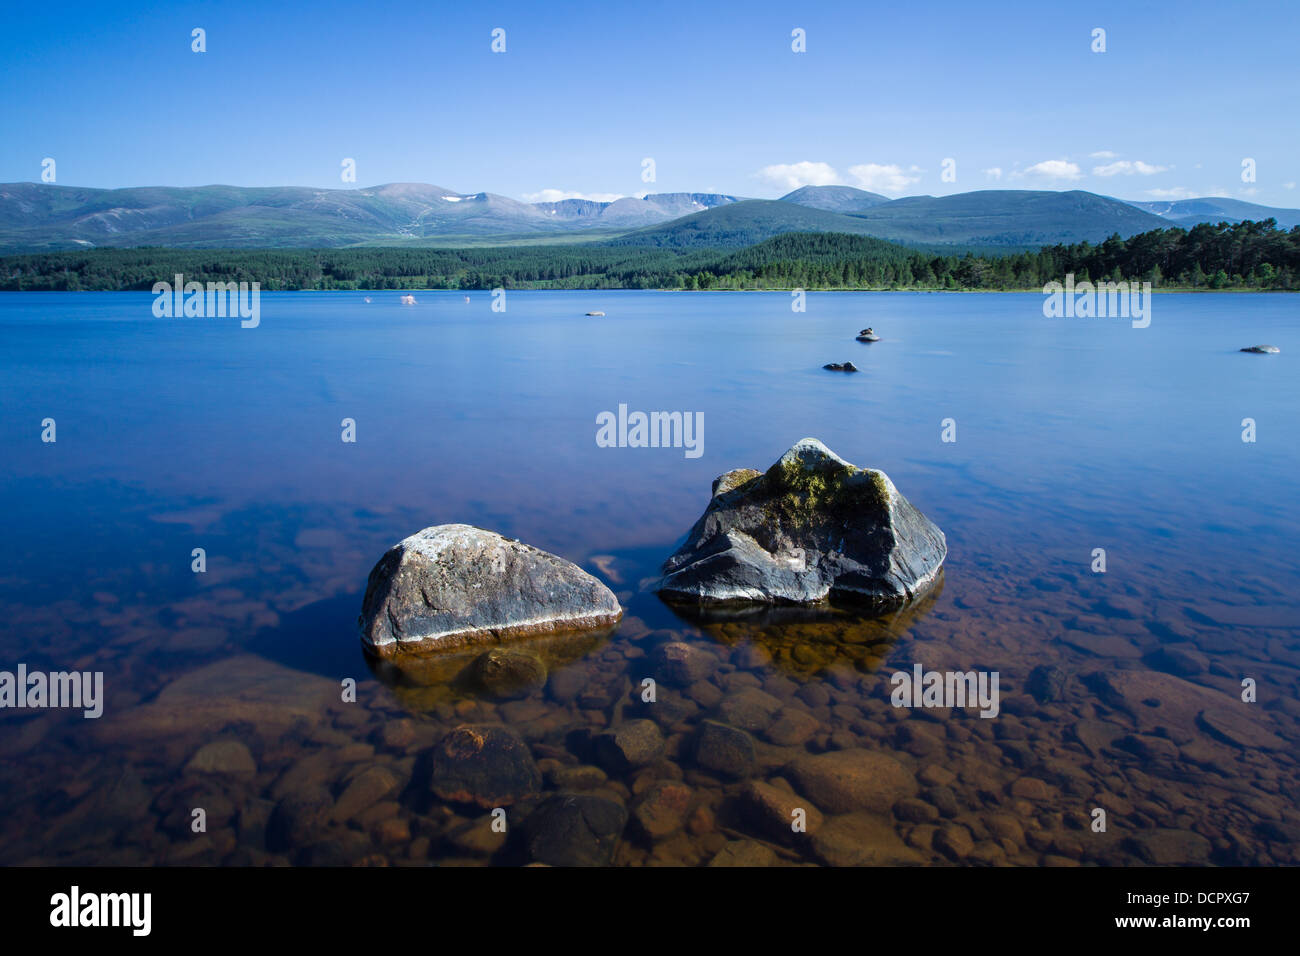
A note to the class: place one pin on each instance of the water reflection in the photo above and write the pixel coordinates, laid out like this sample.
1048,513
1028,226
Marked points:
807,642
422,683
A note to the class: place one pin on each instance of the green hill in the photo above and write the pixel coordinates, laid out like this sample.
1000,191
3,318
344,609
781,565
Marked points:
741,224
1012,219
844,199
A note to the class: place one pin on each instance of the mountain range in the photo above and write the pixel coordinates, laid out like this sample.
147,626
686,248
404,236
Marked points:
45,217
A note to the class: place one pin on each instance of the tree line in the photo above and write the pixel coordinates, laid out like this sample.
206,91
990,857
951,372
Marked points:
1246,255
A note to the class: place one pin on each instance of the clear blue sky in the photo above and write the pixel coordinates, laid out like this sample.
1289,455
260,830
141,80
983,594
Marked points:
711,91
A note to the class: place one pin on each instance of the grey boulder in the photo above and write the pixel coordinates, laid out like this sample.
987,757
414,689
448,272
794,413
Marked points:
812,528
1262,349
455,585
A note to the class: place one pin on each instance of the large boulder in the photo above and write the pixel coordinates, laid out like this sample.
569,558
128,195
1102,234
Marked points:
812,528
456,585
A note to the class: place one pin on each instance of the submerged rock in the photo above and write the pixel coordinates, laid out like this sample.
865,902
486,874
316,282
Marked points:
745,853
298,819
723,749
841,367
862,839
628,746
843,781
1047,684
1263,349
484,764
868,335
814,527
455,585
575,829
223,757
503,673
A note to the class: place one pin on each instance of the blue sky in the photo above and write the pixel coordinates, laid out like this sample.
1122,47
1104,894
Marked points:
712,92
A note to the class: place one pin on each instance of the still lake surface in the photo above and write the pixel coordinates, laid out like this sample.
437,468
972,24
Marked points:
1071,435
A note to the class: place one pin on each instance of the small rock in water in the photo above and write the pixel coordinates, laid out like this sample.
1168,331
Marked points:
773,812
1262,349
366,789
792,728
1167,847
455,585
749,709
745,853
223,757
862,839
680,664
628,746
954,840
298,819
1241,727
504,673
842,781
484,764
723,749
575,829
1180,661
841,367
1047,683
662,808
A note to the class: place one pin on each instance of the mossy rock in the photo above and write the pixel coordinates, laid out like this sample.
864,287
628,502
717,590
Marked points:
813,527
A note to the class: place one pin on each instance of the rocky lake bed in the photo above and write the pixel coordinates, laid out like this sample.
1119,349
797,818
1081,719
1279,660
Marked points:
579,769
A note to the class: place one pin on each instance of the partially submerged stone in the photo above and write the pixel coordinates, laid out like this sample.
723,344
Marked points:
812,528
455,585
1262,349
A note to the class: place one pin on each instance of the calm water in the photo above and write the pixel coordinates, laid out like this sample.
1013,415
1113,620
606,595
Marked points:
1071,435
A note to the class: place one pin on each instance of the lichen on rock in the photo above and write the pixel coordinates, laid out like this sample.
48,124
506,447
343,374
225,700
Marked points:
812,528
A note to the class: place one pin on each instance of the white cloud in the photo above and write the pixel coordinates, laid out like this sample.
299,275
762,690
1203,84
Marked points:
791,176
555,195
1288,185
1125,168
1055,170
1103,154
993,172
890,179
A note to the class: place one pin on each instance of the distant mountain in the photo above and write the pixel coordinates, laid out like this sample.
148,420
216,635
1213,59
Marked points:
45,216
631,213
42,217
1007,217
742,224
835,198
1213,209
985,219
